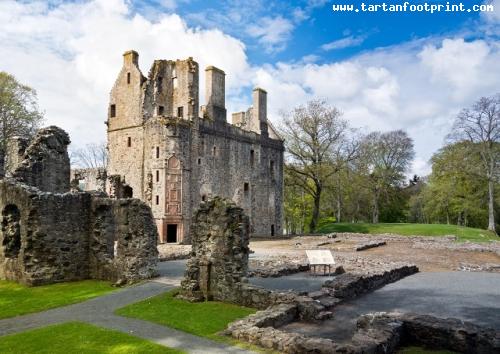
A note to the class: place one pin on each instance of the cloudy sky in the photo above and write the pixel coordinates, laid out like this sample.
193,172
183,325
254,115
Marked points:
385,71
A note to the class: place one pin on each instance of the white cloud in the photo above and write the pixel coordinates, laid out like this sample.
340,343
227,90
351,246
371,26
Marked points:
346,42
272,32
72,53
418,86
494,16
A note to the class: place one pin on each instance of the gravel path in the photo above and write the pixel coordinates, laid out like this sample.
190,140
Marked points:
100,311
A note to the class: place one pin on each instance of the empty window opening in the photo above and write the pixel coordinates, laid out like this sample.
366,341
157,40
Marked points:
11,230
252,157
129,141
180,112
112,111
128,192
199,161
157,176
157,200
159,83
203,198
161,110
128,78
214,151
157,152
246,188
172,233
272,230
174,82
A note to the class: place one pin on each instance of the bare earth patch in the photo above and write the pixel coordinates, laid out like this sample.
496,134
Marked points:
430,254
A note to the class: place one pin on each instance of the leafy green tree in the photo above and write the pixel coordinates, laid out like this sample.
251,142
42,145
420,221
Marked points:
480,125
387,157
318,145
456,192
19,114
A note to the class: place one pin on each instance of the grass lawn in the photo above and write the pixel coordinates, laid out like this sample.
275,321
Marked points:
463,233
418,350
77,337
18,299
203,319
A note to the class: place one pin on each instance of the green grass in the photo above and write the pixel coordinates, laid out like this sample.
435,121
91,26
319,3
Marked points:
16,299
203,319
463,233
76,337
418,350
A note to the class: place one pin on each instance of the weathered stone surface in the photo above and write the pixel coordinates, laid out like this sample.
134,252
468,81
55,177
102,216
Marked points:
348,285
390,330
43,164
219,261
52,237
369,245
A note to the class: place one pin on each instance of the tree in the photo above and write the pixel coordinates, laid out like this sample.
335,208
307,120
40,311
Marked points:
19,114
387,156
91,156
480,125
456,193
318,145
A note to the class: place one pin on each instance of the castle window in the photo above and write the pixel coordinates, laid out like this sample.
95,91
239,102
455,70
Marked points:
252,157
246,188
128,78
199,161
271,169
129,141
157,176
159,84
214,151
174,82
157,200
272,230
112,111
203,198
157,152
161,110
180,112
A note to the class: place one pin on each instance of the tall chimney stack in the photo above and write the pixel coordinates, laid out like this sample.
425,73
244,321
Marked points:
215,93
260,109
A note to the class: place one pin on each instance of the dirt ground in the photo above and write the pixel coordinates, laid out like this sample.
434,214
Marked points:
430,254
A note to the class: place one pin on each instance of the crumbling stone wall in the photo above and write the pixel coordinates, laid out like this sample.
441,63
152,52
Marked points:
44,163
219,259
54,237
89,179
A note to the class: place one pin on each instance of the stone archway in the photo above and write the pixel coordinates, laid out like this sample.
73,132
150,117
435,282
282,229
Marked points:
11,231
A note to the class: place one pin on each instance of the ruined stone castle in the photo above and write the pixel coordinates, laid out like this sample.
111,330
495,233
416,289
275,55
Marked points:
173,154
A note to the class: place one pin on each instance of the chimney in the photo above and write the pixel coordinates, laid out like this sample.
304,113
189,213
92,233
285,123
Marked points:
260,109
131,57
215,93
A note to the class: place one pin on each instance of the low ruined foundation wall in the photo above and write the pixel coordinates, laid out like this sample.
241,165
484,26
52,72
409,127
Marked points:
262,328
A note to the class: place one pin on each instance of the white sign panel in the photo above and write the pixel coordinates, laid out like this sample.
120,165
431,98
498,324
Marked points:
320,257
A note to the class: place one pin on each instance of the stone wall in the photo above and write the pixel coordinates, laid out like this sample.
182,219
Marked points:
219,260
50,237
89,179
44,163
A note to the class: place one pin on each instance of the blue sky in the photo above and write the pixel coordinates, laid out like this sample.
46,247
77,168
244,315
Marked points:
307,26
384,71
